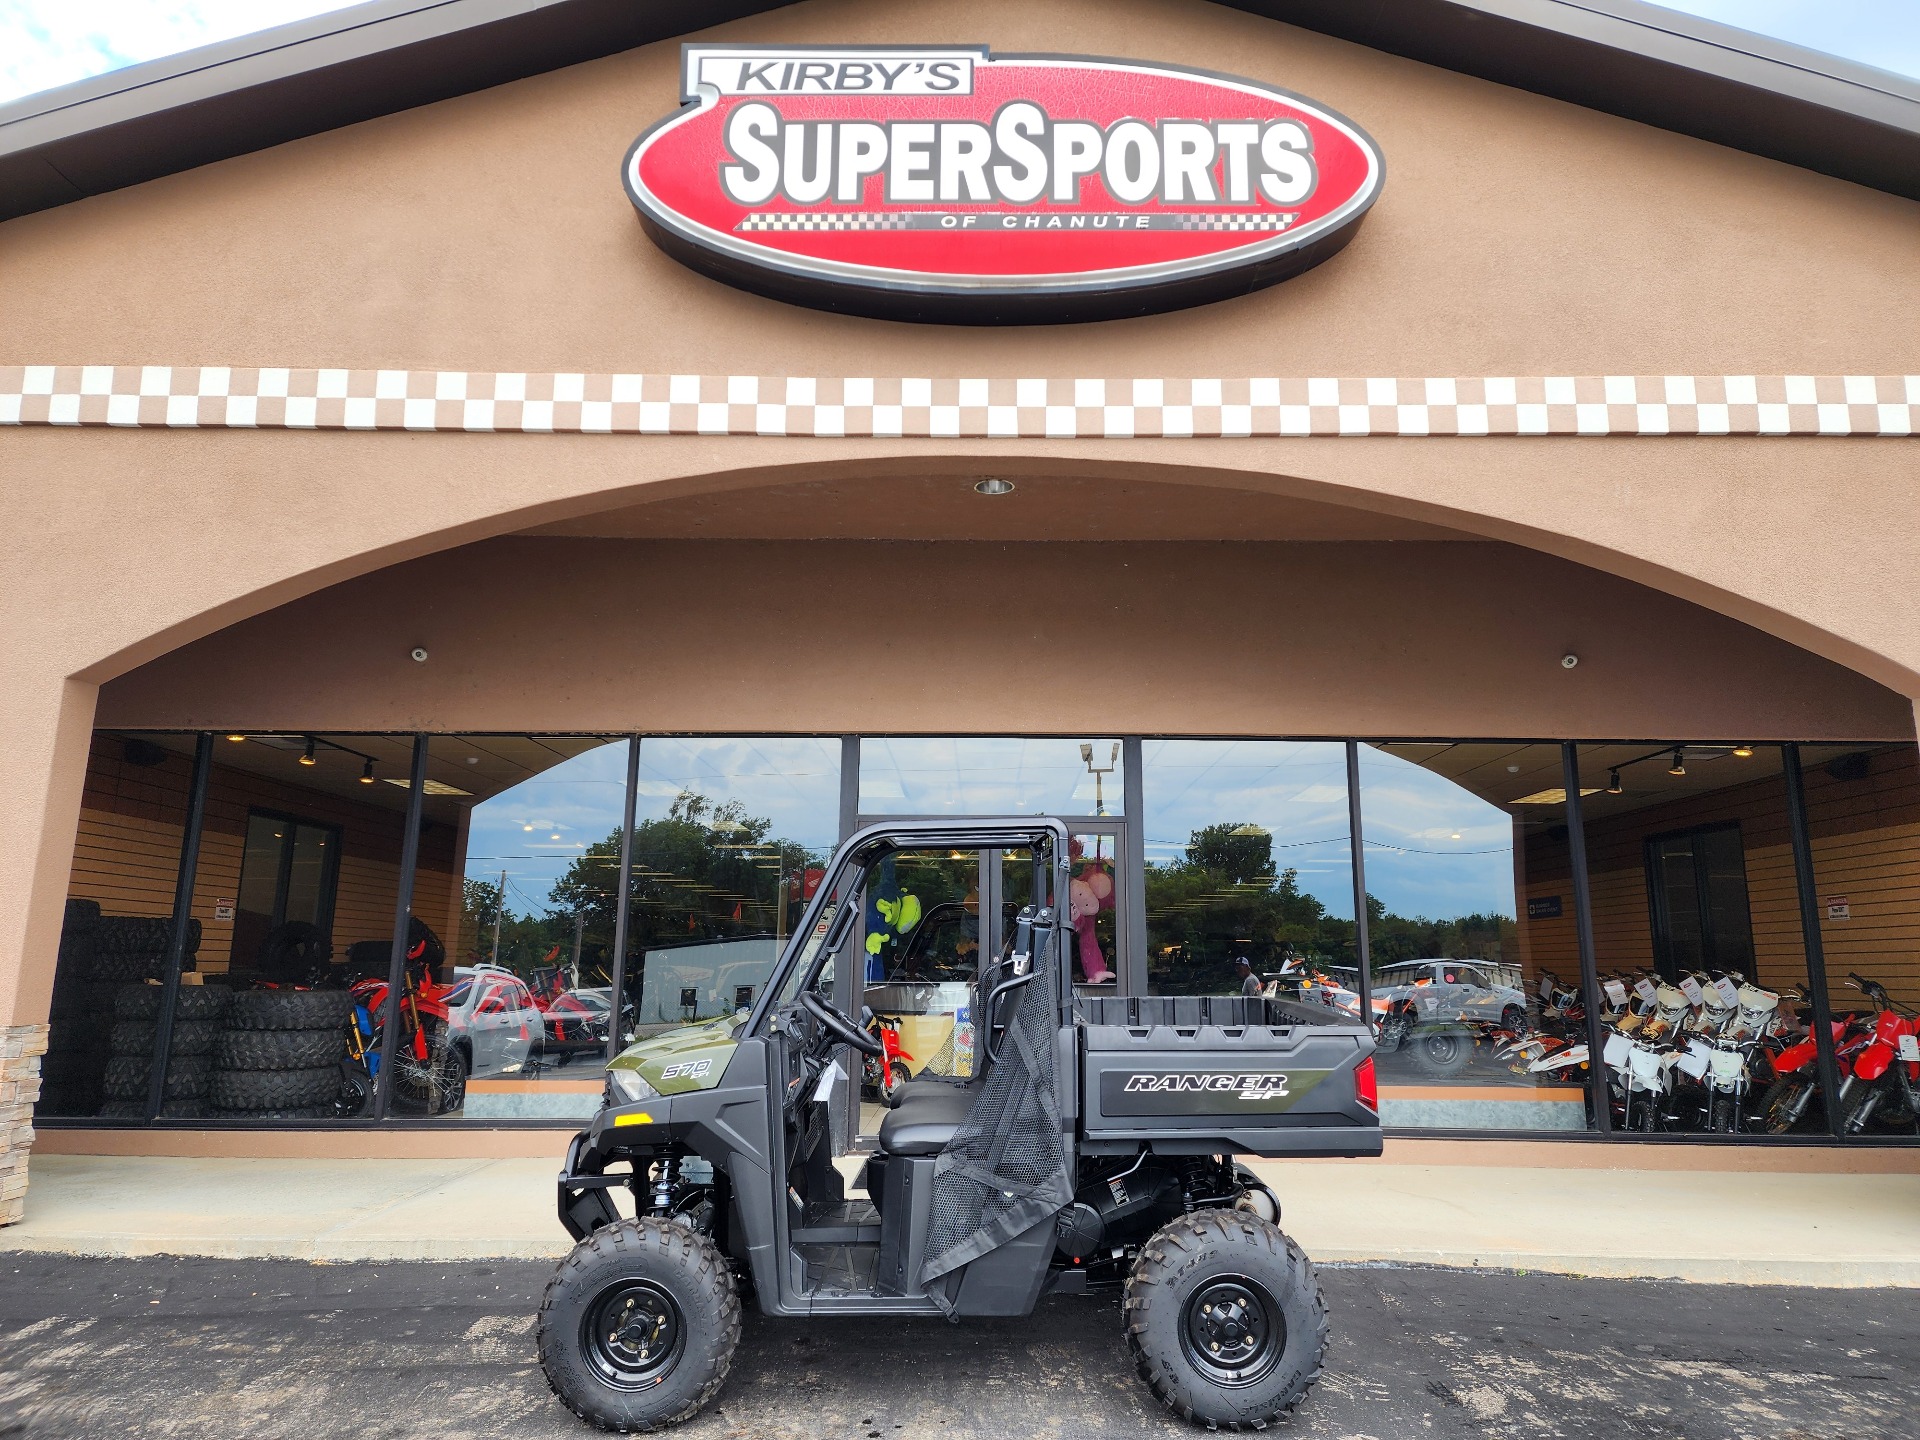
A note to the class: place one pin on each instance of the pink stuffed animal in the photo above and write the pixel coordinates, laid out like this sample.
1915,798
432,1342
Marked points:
1090,892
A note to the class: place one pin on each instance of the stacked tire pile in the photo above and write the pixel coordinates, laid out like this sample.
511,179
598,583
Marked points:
99,954
78,1031
198,1013
279,1056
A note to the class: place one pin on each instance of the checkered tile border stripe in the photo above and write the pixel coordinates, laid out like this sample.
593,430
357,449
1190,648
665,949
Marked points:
162,396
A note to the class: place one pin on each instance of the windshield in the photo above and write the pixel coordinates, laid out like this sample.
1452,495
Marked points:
706,980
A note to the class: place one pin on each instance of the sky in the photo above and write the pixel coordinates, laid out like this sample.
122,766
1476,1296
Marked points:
1433,849
47,43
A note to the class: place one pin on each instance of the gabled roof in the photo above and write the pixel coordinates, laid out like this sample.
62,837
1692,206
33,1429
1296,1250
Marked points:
1622,56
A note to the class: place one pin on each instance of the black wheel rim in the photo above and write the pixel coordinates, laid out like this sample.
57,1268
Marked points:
1443,1049
633,1335
1232,1331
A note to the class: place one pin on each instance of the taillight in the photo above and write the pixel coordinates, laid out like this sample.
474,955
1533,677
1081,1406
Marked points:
1366,1086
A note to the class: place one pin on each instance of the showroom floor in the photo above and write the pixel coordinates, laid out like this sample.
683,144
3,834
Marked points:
281,1350
1719,1226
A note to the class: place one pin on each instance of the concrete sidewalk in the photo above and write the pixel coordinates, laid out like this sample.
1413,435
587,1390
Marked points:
1722,1227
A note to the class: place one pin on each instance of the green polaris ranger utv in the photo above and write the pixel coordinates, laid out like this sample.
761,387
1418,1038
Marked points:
1088,1144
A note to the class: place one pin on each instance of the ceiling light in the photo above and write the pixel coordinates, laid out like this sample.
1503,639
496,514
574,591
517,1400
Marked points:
432,787
366,773
236,738
1679,766
1745,752
527,828
1555,796
306,756
993,485
1614,787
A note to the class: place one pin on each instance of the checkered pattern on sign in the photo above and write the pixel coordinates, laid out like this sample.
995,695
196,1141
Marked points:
1238,222
783,221
984,407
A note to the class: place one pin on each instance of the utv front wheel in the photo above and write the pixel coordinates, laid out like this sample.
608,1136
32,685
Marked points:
1225,1320
639,1326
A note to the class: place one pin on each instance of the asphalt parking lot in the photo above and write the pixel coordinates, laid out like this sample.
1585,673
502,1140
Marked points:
209,1348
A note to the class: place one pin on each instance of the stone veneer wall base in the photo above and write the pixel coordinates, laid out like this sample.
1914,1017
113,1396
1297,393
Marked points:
21,1047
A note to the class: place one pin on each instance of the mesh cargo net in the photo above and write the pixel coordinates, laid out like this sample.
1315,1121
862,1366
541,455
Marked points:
1009,1165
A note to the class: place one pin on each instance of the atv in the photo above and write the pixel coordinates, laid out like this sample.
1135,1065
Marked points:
1092,1149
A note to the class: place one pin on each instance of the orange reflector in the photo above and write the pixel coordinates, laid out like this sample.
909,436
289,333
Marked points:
1366,1086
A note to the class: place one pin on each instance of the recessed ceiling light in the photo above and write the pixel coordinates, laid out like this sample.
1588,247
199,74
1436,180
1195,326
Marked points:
993,485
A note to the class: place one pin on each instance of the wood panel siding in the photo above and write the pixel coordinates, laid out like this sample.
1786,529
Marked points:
1865,836
127,851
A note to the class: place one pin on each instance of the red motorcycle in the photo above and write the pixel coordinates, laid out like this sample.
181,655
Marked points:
429,1075
1788,1102
1885,1078
889,1071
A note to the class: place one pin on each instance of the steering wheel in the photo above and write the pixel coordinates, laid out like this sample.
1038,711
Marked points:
839,1026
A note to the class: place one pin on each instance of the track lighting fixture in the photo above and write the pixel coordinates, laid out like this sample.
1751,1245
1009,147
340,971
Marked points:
1679,766
306,756
366,773
1614,787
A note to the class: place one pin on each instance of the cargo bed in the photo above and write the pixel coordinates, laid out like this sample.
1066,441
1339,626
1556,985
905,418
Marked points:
1189,1074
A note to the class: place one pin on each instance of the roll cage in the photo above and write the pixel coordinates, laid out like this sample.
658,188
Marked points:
844,882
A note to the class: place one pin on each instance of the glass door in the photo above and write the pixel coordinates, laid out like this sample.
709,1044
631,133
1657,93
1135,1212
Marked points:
1097,901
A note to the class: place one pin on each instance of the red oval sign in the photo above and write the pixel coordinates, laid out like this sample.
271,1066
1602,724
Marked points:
946,184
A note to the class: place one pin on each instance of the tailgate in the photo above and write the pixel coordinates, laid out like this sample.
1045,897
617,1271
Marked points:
1223,1074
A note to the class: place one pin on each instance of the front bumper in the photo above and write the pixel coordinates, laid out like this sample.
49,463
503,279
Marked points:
613,1134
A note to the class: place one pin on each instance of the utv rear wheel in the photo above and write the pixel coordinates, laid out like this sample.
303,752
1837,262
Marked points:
1225,1320
639,1325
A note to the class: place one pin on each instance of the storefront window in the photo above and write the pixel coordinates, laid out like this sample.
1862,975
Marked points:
1705,1008
731,837
113,943
1471,929
990,775
1863,820
1249,857
518,885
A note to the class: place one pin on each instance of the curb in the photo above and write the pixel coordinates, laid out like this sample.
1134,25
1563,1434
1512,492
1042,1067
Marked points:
1864,1274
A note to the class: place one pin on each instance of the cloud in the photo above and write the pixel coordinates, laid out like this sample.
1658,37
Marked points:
48,43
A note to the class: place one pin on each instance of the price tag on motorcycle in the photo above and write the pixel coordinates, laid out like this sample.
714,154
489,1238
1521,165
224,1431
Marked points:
1644,989
1617,1050
1910,1047
1728,992
1616,992
1690,988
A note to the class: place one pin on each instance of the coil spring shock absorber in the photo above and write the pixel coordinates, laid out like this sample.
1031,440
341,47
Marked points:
666,1175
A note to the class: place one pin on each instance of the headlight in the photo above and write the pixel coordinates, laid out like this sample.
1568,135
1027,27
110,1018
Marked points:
625,1087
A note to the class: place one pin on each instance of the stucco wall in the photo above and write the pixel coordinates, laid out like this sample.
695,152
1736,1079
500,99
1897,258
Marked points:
1515,235
1328,638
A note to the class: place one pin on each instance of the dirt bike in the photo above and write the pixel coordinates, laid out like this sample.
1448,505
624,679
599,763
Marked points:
889,1071
429,1075
1884,1080
1788,1103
